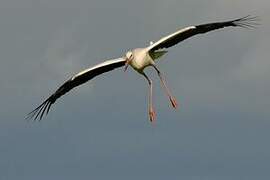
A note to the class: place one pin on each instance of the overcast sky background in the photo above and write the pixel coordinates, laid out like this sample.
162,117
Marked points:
101,130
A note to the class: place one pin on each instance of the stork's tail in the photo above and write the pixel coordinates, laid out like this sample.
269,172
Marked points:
157,54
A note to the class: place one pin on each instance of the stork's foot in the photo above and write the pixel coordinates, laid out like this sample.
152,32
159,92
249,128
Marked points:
152,115
174,102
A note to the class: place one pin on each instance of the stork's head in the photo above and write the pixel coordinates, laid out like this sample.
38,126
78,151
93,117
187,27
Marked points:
129,57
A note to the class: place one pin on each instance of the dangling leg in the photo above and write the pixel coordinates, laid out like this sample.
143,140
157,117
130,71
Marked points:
172,99
152,114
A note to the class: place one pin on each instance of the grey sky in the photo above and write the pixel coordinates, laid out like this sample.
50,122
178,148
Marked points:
101,130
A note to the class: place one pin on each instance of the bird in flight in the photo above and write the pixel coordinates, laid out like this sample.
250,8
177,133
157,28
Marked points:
139,59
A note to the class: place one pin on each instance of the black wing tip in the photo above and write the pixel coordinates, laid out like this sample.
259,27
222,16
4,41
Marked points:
38,113
247,22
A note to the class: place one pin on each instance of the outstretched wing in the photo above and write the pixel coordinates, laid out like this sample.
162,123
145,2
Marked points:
182,34
74,81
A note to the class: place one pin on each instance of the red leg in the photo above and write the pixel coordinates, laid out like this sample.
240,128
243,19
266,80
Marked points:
167,91
152,114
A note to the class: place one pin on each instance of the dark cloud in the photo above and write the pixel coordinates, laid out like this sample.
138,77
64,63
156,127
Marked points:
101,130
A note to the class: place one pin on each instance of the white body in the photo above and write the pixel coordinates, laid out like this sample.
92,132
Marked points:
141,59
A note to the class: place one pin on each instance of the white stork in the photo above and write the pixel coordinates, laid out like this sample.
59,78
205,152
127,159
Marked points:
139,59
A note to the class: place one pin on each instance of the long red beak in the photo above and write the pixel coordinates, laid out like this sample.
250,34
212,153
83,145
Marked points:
126,64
